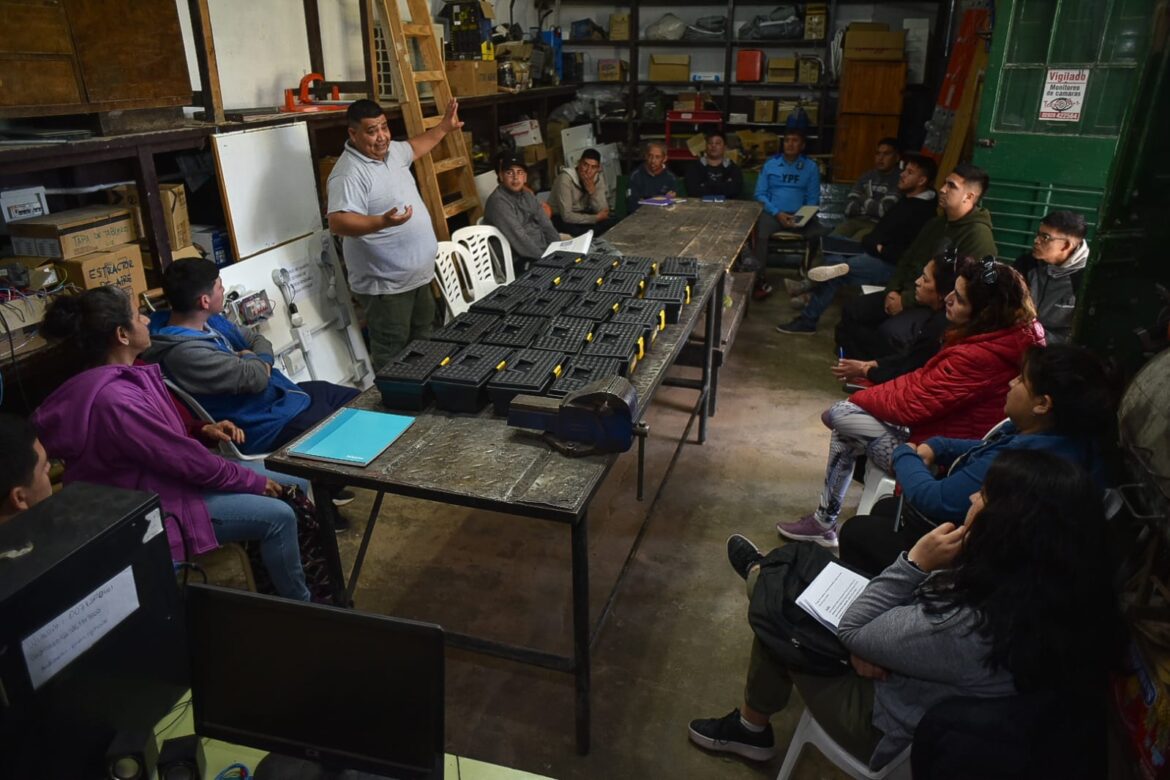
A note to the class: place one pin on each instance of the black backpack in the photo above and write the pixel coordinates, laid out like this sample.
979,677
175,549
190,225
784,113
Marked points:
792,635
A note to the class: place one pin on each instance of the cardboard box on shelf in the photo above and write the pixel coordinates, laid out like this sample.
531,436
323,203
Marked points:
808,70
120,266
749,65
816,17
781,70
190,252
691,101
213,242
73,233
737,119
469,78
759,144
534,153
786,107
670,67
865,44
525,132
619,27
22,203
697,144
174,207
612,70
764,111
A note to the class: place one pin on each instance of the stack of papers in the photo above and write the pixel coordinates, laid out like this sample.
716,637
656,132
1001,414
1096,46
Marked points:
580,245
830,594
662,200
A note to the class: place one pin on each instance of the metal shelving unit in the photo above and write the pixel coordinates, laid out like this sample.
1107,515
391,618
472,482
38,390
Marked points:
724,89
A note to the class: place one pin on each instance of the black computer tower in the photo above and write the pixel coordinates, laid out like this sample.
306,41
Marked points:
90,574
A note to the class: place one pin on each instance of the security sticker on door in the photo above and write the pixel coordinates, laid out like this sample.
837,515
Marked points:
1064,95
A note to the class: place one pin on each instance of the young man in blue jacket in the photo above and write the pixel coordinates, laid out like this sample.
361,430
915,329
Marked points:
1060,402
787,182
229,369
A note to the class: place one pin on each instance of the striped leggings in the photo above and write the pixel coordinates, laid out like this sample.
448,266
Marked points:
855,433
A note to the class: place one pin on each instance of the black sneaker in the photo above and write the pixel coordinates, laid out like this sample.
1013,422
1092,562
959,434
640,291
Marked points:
798,327
742,554
727,735
343,497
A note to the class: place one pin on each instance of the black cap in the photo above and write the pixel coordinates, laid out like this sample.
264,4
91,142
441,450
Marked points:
591,154
509,161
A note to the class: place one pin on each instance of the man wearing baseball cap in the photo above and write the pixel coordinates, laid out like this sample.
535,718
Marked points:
514,211
579,197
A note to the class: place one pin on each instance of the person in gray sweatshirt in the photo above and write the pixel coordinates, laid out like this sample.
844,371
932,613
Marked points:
1016,599
1054,270
514,211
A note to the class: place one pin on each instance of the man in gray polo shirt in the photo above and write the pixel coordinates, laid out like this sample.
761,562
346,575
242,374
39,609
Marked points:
389,248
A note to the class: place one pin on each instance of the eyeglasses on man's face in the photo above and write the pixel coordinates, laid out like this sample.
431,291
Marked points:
1044,238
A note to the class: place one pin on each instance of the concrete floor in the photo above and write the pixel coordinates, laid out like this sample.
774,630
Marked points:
676,643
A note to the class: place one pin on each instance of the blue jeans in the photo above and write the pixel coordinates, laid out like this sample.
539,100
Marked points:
239,517
863,269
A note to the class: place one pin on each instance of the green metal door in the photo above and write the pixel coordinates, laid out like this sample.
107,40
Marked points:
1061,76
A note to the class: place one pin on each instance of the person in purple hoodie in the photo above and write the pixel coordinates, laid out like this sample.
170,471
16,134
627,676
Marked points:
114,423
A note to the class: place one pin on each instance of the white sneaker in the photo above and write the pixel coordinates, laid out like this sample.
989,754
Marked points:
823,273
795,287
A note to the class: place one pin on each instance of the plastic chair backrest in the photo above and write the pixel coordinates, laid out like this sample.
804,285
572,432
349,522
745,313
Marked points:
448,270
226,448
484,240
477,268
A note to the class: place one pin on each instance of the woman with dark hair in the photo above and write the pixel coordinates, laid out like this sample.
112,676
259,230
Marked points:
930,290
958,393
1015,600
114,423
1060,403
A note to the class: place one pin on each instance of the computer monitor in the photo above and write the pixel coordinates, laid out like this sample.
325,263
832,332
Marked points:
347,689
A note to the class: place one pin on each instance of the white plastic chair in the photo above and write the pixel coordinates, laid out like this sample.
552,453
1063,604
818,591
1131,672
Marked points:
226,448
450,265
808,730
479,242
879,484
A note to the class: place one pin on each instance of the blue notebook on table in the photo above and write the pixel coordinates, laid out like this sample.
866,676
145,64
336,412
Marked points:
353,437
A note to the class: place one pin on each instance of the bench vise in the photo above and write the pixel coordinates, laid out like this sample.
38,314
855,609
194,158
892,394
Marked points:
597,418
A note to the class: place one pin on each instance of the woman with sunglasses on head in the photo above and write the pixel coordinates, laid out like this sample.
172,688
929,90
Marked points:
114,423
959,393
930,291
1015,599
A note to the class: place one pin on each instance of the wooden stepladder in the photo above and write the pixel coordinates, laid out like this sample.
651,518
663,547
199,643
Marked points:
445,178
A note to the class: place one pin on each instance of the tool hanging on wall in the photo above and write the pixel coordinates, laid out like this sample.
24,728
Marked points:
445,178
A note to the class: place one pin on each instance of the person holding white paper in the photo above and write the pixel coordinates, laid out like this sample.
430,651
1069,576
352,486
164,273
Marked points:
1016,600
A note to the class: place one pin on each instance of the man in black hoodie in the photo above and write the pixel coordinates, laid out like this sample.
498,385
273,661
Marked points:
1054,269
883,245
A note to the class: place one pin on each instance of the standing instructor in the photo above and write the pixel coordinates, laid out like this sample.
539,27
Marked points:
389,249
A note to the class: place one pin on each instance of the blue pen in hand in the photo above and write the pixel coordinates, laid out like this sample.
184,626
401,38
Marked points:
840,354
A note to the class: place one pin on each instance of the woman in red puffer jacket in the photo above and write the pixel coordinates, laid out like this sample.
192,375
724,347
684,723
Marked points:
959,393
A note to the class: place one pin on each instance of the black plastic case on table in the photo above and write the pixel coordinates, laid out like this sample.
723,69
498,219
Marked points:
650,314
628,284
560,260
529,371
580,280
460,386
466,328
566,334
637,264
596,306
583,370
502,300
687,267
671,290
547,303
403,381
538,277
620,340
515,331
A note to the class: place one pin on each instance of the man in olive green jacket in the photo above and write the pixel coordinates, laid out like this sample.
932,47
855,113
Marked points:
878,323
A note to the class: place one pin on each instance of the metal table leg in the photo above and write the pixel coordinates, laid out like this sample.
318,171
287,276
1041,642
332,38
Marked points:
327,536
361,556
581,654
721,294
714,303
